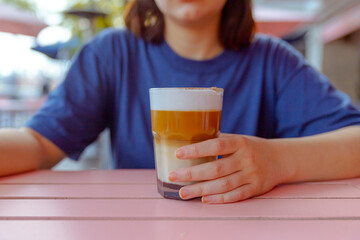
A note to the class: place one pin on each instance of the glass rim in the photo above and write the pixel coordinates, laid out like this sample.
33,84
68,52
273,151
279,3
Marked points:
216,89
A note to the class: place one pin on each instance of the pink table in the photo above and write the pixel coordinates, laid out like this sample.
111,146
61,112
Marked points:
124,204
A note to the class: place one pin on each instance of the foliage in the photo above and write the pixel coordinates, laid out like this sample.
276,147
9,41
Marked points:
23,4
82,28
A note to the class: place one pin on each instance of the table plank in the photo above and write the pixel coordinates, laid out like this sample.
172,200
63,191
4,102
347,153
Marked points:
145,191
79,191
83,177
114,209
164,230
120,176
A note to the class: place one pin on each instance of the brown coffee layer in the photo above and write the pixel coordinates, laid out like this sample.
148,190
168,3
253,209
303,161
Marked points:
186,125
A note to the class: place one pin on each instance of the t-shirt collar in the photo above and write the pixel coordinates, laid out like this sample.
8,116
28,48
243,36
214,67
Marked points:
197,66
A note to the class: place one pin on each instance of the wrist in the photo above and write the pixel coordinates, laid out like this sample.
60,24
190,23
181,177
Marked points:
282,158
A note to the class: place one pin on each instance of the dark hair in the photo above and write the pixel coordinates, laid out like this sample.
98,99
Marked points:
144,19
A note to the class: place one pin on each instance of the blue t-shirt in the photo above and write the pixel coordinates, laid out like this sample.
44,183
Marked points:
270,92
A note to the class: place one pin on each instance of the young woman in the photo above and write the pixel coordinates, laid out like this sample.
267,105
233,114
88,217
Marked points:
287,123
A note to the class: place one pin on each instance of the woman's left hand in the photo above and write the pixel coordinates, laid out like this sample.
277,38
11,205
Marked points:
249,168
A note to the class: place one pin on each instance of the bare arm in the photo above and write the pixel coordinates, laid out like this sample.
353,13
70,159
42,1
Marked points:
23,150
328,156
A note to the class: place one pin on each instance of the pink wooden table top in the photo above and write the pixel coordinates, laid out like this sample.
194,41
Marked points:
124,204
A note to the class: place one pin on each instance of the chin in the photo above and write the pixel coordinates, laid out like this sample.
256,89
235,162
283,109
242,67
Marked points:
187,11
189,14
189,1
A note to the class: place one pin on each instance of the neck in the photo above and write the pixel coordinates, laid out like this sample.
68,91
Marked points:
197,42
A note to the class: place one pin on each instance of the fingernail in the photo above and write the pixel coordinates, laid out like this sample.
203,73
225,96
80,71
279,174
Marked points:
172,176
206,199
180,153
184,193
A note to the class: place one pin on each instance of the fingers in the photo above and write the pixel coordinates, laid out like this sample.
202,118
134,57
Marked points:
238,194
226,180
206,171
213,147
218,186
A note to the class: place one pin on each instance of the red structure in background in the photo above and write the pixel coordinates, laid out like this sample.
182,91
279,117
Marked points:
278,29
342,25
280,22
16,21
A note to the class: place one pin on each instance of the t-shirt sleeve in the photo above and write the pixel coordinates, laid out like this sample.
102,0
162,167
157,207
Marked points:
75,112
307,103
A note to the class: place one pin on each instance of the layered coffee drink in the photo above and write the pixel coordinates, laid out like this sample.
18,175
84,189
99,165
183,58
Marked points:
179,117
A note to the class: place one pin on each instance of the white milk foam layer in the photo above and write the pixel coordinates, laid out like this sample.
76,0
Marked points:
186,99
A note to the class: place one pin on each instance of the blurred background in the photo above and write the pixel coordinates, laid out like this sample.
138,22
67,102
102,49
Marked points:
39,37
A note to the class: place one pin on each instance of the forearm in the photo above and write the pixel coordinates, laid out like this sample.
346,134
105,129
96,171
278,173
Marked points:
23,150
328,156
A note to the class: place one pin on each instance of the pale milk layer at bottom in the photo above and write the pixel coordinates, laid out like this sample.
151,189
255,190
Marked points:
166,160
